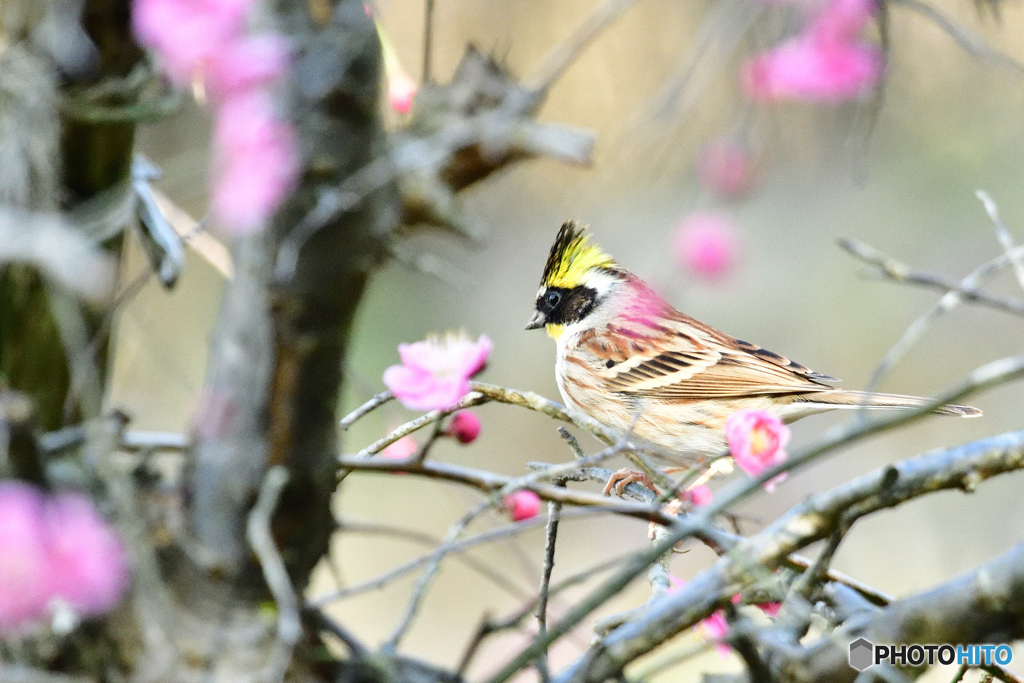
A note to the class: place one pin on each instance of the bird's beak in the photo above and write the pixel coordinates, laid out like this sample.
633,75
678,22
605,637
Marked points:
538,320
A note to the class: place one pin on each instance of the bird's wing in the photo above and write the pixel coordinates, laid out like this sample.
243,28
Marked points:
681,358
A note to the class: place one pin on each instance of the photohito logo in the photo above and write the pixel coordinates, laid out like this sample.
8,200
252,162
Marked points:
864,653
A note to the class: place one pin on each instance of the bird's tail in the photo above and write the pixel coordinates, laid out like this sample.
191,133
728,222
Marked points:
840,398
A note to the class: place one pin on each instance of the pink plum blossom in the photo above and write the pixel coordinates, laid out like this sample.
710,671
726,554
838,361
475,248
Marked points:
89,566
434,374
725,168
256,164
522,505
24,562
699,495
246,64
465,426
757,440
706,244
806,69
186,33
771,609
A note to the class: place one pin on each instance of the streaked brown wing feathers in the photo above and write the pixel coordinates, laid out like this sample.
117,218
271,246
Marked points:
686,359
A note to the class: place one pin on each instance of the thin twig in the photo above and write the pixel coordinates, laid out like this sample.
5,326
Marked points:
428,39
562,55
1004,236
423,584
289,627
371,405
900,272
412,565
550,538
322,621
969,42
496,577
948,302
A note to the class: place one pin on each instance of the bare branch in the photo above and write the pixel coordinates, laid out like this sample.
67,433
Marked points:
1005,239
550,538
948,302
289,627
423,584
900,272
363,410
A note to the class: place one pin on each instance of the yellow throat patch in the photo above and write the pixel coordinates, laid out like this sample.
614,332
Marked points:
571,256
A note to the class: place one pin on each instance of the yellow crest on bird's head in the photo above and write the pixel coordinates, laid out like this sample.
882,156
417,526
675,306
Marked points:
572,255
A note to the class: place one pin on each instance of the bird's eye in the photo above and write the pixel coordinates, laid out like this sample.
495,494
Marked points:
552,299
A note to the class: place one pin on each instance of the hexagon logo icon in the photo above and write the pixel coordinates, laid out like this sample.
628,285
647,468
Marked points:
862,654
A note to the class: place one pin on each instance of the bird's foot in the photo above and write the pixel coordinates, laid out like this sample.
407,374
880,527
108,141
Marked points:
620,479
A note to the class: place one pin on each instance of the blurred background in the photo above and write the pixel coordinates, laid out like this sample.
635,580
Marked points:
899,174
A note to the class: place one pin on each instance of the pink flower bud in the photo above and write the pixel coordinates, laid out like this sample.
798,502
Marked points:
770,608
725,168
401,92
699,495
465,426
757,440
522,505
88,563
705,244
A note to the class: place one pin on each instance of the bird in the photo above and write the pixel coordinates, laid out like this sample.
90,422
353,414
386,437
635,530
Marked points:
631,361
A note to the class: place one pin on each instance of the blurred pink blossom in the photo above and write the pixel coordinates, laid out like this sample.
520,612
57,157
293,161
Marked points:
770,608
55,548
246,64
434,374
88,563
402,449
522,505
699,495
714,627
186,33
255,162
757,440
725,168
24,562
841,21
808,69
401,91
706,244
465,426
